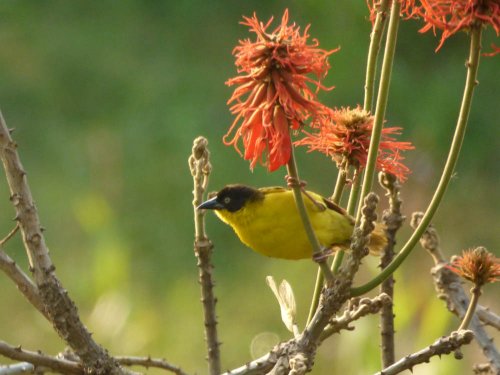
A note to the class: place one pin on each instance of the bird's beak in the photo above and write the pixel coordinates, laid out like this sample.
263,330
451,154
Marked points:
211,204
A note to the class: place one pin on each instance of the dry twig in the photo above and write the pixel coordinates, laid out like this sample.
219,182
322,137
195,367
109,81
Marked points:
59,365
393,219
148,362
61,310
199,164
356,309
444,345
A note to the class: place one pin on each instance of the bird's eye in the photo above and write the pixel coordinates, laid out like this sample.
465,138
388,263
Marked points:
227,200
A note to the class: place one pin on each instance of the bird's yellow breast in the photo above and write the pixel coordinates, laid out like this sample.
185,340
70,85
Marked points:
272,225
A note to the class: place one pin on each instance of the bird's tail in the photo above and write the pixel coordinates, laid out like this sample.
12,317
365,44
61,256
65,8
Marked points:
378,240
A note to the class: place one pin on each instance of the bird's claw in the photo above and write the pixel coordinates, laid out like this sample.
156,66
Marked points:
292,181
322,255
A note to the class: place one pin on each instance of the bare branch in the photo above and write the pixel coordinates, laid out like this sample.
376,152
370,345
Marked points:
17,368
9,235
62,366
449,288
22,281
356,309
444,345
483,368
148,362
60,309
393,219
199,164
488,317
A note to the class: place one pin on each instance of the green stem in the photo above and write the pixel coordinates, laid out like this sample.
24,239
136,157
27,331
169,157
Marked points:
458,137
476,293
339,186
371,65
337,195
383,93
353,197
299,202
373,52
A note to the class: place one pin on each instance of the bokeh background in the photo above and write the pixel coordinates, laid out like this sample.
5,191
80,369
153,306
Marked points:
106,98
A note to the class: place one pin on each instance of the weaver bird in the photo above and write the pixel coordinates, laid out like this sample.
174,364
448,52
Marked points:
267,221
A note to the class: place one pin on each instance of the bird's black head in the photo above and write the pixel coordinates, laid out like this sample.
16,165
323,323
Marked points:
232,198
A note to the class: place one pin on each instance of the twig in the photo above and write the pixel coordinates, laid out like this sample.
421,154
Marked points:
356,309
488,317
444,345
60,308
150,362
39,359
393,219
483,368
199,164
22,281
449,288
9,235
17,368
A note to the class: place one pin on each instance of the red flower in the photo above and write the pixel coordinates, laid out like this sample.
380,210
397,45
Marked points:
346,139
478,266
451,16
273,93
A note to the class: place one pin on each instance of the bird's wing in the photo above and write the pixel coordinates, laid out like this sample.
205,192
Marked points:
335,207
273,189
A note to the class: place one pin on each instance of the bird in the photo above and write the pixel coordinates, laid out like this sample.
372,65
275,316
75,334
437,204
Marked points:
267,221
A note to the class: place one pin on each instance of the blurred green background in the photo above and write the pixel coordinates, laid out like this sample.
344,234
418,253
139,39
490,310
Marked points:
106,98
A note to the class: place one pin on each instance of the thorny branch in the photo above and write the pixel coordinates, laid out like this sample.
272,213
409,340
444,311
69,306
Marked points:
22,281
39,359
444,345
61,310
148,362
199,164
393,219
449,288
356,309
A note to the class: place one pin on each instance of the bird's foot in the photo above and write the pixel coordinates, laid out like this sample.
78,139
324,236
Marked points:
323,254
292,181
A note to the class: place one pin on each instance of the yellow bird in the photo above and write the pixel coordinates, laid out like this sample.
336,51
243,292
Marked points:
267,221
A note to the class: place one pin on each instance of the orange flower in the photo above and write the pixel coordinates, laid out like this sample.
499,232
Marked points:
273,93
451,16
478,266
346,139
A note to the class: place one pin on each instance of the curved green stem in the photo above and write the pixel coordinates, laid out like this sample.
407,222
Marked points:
371,65
339,186
383,93
353,197
458,137
476,293
299,202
